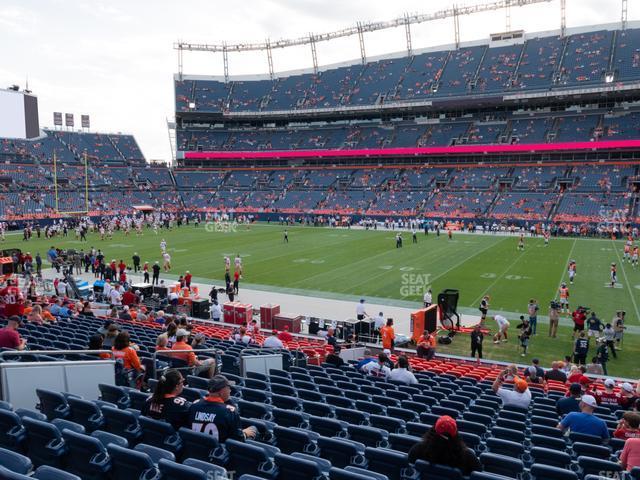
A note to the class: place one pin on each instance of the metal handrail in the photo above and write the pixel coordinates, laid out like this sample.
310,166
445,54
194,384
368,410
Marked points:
168,353
52,352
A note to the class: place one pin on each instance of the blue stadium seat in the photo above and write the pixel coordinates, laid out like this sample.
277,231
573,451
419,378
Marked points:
106,438
473,441
160,434
341,452
472,427
502,465
318,409
277,388
7,474
403,414
480,418
122,423
417,429
488,476
285,402
517,416
585,438
552,457
289,418
174,471
249,459
590,450
46,472
539,420
254,410
155,454
402,443
508,434
432,471
370,407
86,414
390,424
255,395
327,427
351,416
552,432
12,433
128,464
290,440
395,465
505,447
87,457
293,468
546,472
45,445
596,466
211,470
62,424
511,424
15,462
116,395
53,404
310,395
201,446
368,436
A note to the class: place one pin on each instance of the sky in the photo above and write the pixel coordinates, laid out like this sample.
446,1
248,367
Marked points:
115,61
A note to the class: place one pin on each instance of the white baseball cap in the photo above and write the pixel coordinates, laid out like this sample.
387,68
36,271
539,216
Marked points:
627,387
182,333
609,382
589,400
386,351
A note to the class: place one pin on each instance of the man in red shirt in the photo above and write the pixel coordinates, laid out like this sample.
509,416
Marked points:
122,267
9,336
285,336
187,279
608,396
129,298
12,299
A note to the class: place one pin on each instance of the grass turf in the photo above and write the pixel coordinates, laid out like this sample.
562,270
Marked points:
339,263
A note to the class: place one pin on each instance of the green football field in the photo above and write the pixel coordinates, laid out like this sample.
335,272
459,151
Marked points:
348,264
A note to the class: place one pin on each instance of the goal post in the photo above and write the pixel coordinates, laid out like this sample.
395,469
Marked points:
57,192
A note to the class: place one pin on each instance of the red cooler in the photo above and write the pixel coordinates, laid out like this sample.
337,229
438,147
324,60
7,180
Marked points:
293,322
229,312
244,313
267,314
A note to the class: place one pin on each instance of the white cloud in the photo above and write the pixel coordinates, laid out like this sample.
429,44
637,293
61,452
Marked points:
114,59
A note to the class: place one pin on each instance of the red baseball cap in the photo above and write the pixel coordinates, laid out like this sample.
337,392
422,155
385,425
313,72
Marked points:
446,427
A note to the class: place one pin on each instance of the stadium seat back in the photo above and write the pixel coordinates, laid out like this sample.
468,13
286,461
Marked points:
86,414
292,468
87,457
127,464
53,404
44,443
432,471
15,462
160,434
12,433
249,459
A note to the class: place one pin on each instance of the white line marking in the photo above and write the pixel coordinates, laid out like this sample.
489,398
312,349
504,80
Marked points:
626,280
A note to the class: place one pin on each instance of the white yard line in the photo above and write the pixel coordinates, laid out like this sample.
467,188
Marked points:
626,280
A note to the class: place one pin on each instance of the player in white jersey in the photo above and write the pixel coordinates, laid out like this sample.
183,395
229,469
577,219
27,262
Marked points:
101,232
163,246
238,263
166,266
634,257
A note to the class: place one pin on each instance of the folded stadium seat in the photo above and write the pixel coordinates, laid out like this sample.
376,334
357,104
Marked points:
452,412
402,442
515,416
253,395
371,390
87,457
15,462
538,412
230,364
341,452
301,370
318,409
155,454
257,376
370,407
127,464
201,446
502,465
311,395
493,404
290,440
45,445
487,476
12,433
472,427
414,406
138,399
256,384
552,432
286,402
482,410
160,434
254,410
429,418
399,395
508,448
508,434
197,382
174,471
116,395
514,408
589,450
395,465
549,422
106,438
191,394
425,400
245,458
347,385
547,472
212,471
357,395
544,441
390,424
61,424
433,471
290,467
403,414
46,472
25,412
280,389
552,457
329,390
327,427
323,380
53,404
384,400
122,423
596,466
584,438
86,414
279,380
351,415
289,418
368,436
510,424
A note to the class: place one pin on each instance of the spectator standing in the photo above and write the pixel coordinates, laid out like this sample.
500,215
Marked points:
361,312
216,311
602,354
570,403
610,339
477,338
532,310
156,273
554,319
581,349
594,325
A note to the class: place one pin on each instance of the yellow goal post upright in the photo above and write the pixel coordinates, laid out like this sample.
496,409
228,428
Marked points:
86,187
